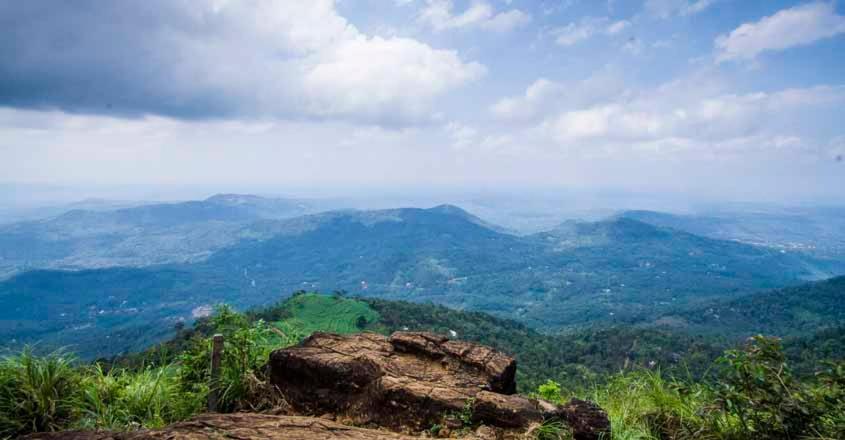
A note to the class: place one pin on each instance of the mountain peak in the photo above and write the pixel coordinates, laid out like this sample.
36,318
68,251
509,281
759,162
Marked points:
450,210
616,228
456,211
234,199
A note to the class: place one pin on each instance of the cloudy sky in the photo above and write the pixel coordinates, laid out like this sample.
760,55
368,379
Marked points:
701,96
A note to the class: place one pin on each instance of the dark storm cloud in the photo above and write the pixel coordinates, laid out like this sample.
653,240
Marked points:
113,57
194,59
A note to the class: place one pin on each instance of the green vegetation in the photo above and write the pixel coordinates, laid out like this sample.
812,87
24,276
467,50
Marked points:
749,393
309,312
52,392
168,382
152,389
792,311
575,359
550,430
35,392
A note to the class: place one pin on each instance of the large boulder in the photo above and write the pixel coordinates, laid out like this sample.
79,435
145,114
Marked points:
412,381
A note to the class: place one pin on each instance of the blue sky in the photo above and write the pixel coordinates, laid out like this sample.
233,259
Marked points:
733,98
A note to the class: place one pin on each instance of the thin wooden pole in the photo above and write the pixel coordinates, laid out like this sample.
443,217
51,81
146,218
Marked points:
214,385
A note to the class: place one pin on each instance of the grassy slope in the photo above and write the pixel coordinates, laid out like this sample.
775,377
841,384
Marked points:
312,312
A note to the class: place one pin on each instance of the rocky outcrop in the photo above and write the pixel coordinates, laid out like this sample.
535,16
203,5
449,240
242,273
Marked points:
413,381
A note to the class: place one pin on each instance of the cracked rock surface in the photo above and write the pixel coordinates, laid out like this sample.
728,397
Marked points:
411,380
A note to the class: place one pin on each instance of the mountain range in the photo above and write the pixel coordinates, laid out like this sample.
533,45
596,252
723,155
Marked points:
813,230
175,261
138,235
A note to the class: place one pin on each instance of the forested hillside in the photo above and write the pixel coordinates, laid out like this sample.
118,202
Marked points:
792,311
575,359
611,272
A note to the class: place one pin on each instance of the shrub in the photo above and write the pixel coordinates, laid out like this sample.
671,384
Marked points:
831,392
36,393
550,391
246,350
758,389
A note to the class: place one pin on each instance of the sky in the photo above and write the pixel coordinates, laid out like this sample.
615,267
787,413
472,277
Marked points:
739,99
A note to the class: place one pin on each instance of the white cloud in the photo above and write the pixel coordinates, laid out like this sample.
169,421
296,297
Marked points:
669,8
462,136
544,96
365,76
599,116
344,73
505,21
440,16
618,26
698,6
652,116
550,7
797,26
527,106
586,28
573,33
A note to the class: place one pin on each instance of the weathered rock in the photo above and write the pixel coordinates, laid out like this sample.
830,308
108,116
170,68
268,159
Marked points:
497,368
586,419
411,381
407,380
237,426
